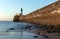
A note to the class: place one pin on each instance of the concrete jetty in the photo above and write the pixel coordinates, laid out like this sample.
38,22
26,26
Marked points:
49,15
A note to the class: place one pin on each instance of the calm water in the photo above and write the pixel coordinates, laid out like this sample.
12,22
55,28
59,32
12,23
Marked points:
19,33
5,25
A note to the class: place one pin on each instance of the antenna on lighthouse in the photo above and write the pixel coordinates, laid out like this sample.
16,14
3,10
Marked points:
21,11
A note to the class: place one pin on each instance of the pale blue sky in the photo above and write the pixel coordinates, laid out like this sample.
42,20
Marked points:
8,8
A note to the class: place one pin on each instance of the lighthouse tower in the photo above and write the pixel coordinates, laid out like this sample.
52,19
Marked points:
21,15
18,16
21,11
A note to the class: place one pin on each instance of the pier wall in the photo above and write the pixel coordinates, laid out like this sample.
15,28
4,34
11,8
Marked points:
49,15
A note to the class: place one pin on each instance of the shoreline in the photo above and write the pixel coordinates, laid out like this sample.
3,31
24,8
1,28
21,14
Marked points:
46,29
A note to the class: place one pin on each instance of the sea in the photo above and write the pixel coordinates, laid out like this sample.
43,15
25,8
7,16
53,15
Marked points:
18,33
15,30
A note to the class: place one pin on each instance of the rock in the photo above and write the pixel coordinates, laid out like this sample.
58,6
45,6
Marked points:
28,27
7,31
46,36
11,28
35,36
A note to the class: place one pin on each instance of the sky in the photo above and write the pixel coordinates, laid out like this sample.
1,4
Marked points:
8,8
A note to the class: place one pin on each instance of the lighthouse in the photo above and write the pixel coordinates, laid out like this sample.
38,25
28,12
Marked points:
21,11
18,16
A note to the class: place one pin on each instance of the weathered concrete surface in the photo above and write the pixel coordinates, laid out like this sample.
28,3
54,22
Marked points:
16,18
47,15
